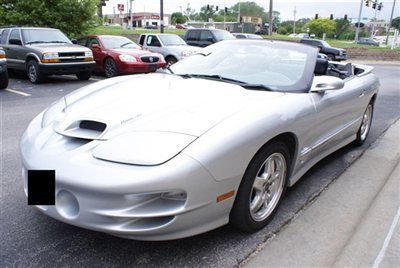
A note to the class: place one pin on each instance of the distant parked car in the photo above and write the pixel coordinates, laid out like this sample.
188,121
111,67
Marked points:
303,36
246,36
368,42
3,70
151,27
204,37
45,51
171,46
116,55
180,26
334,54
293,35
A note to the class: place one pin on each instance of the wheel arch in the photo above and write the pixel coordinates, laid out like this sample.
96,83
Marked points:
31,56
373,99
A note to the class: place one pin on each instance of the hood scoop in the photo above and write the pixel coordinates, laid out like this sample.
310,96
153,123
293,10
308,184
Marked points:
85,129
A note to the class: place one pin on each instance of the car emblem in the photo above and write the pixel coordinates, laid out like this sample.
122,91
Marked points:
151,59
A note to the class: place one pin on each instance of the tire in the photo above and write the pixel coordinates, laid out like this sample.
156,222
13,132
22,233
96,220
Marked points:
110,68
84,75
365,127
249,219
331,57
171,60
4,80
33,72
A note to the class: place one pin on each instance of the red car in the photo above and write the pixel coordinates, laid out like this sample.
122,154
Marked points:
116,55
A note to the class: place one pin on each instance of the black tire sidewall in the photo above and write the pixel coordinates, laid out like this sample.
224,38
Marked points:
4,80
240,214
359,141
171,59
84,75
39,77
114,66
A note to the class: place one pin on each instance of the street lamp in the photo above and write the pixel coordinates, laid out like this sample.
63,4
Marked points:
270,17
161,16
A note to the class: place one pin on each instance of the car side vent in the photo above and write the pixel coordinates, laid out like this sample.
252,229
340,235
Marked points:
92,125
85,129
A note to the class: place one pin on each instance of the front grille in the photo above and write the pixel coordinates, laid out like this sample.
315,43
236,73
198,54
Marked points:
71,54
72,59
149,59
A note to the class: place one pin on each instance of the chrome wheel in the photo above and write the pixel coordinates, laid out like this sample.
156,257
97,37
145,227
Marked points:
268,187
366,122
32,73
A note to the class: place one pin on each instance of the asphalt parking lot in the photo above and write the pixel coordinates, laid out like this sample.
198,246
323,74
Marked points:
32,239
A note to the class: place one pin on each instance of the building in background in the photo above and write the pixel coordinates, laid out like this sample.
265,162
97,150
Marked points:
139,19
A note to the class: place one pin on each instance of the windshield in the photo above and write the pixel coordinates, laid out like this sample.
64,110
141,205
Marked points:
172,40
279,66
223,35
111,42
32,36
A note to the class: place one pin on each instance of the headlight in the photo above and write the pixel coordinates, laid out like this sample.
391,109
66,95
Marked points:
127,58
143,148
50,57
2,54
54,112
340,53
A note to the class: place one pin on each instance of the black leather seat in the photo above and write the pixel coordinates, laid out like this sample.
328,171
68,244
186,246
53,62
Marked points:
321,67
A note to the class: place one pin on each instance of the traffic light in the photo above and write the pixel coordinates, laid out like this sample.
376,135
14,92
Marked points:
367,3
208,7
345,16
374,5
380,6
316,16
216,8
226,10
331,17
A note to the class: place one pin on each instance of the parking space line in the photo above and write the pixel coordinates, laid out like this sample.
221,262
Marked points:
18,92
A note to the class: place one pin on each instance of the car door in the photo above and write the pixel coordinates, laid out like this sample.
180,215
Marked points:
98,54
338,114
153,43
14,50
206,38
193,37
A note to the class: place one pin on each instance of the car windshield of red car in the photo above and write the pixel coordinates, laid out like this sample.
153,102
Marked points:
111,42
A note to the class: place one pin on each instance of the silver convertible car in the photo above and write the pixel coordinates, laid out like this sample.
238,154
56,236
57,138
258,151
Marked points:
214,139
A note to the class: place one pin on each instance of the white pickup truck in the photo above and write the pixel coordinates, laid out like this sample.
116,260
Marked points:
171,46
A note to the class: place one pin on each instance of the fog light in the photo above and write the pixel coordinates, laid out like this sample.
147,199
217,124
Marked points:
67,205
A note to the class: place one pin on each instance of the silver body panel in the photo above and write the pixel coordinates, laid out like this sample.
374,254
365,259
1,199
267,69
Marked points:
223,126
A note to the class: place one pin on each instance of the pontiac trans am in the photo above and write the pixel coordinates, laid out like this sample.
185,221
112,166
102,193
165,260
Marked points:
214,139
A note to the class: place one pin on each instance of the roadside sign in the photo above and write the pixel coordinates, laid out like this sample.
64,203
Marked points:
121,7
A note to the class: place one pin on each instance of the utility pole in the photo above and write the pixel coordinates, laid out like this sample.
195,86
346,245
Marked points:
359,21
270,16
130,21
390,23
162,16
294,20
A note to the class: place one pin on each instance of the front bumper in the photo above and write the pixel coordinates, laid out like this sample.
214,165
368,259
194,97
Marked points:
66,68
139,67
125,200
341,57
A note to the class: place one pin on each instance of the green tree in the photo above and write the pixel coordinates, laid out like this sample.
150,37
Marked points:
321,26
205,13
342,27
178,18
73,17
396,23
249,9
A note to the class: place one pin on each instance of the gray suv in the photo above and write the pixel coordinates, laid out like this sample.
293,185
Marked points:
205,37
45,51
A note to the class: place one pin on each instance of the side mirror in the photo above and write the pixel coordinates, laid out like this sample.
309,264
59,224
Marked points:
15,42
324,83
95,46
74,41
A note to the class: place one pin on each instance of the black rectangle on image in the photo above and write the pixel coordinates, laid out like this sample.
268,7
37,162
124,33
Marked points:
41,187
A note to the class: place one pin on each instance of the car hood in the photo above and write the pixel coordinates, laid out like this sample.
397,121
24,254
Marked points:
158,102
133,52
56,47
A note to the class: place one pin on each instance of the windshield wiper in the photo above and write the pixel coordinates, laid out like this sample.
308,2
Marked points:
126,44
229,80
35,42
61,42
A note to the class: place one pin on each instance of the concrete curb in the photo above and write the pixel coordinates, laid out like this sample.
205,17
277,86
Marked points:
348,223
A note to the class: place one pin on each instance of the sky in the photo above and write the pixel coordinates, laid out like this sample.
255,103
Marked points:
305,9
